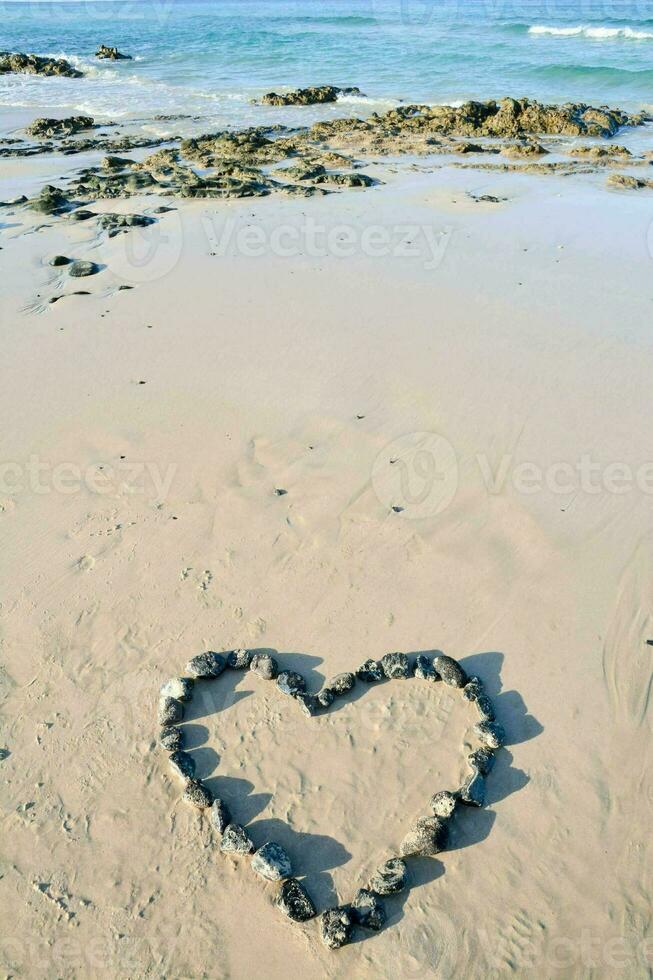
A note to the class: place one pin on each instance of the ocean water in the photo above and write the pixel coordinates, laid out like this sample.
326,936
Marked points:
211,58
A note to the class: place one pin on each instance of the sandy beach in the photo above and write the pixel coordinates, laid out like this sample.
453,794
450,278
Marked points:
411,416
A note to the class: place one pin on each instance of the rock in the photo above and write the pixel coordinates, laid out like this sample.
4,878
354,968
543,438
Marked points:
294,901
111,54
220,817
389,878
450,671
290,682
180,688
308,96
473,689
239,659
428,837
336,927
597,152
117,163
443,804
264,665
521,151
490,733
472,791
626,182
272,862
485,708
81,269
197,794
370,671
171,738
368,911
51,200
183,764
33,64
235,840
58,260
309,703
81,214
52,128
170,711
117,223
395,665
342,683
206,665
348,180
424,669
326,697
482,760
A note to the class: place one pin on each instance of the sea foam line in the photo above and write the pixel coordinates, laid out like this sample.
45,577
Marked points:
599,33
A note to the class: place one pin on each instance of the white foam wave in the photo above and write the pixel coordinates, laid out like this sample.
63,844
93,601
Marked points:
598,33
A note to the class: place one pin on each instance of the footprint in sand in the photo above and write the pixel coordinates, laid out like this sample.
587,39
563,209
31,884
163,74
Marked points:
85,563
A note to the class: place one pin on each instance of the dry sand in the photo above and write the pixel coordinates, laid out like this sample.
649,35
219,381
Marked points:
518,333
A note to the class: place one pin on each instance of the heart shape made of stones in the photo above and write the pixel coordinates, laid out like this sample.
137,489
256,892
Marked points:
429,834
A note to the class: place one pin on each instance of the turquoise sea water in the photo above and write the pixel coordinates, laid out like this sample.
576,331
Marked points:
210,58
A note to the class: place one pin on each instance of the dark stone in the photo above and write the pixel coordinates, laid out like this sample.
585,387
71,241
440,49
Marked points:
443,804
183,764
82,214
342,683
473,689
490,733
313,95
206,665
265,666
326,697
239,659
428,837
60,260
197,794
485,708
272,862
33,64
370,671
220,817
170,711
235,840
290,682
450,671
336,927
472,791
424,669
308,703
294,901
171,738
482,760
395,665
389,878
368,910
111,54
116,223
51,200
79,270
180,688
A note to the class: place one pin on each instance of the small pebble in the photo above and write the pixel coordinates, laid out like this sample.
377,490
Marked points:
390,878
264,665
235,840
272,862
370,671
395,665
443,804
450,671
428,837
80,269
472,791
490,733
239,659
180,688
336,927
342,683
424,669
59,260
220,817
197,794
206,665
294,901
183,764
368,910
170,738
290,682
170,711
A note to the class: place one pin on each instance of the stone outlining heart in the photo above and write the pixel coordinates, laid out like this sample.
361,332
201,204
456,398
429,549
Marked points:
428,836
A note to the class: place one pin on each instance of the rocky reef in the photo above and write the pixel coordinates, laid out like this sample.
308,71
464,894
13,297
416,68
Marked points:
314,95
44,128
34,64
111,54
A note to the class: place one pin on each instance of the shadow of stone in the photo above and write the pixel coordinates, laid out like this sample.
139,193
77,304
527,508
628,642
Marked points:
520,726
244,805
469,826
504,779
